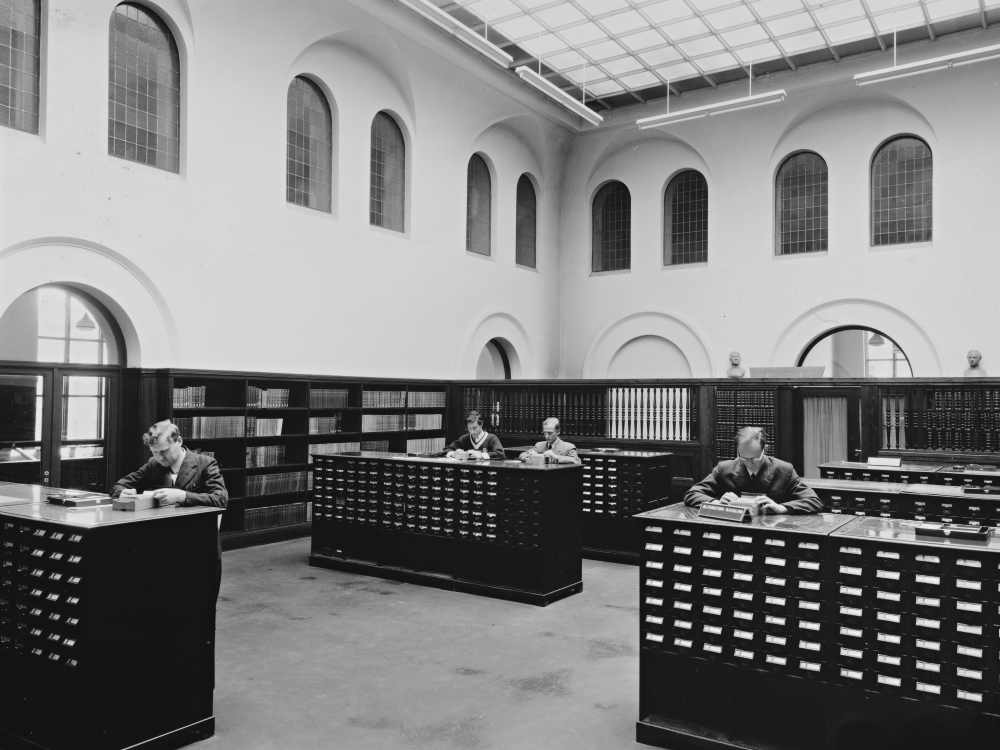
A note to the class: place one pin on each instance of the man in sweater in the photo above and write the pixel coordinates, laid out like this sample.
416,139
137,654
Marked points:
477,444
752,471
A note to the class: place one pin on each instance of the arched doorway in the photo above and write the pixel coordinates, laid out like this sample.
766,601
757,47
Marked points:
853,352
61,355
494,361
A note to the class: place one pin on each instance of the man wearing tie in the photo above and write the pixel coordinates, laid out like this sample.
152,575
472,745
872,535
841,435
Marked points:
752,471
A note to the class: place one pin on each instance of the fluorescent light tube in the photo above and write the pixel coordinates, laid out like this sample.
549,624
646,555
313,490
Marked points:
982,54
459,30
734,105
558,95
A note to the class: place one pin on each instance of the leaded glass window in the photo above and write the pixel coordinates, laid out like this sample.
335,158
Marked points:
387,197
144,89
478,219
525,230
612,237
801,205
685,219
308,162
902,205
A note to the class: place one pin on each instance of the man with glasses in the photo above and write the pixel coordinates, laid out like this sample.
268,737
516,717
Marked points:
754,472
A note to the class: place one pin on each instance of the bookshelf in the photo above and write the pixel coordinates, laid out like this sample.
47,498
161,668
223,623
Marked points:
264,428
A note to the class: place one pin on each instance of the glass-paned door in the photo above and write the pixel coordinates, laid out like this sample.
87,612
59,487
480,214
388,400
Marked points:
22,422
83,432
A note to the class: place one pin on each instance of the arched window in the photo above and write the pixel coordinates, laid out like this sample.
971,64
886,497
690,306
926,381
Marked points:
478,219
387,199
525,240
20,37
308,165
800,205
612,246
144,107
902,173
685,219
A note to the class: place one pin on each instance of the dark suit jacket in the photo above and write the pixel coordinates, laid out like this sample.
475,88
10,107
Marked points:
491,446
775,478
199,477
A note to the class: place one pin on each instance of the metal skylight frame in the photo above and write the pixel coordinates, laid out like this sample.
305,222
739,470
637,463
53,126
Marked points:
558,95
708,110
982,54
459,30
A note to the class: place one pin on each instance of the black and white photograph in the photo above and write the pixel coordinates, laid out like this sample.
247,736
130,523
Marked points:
499,375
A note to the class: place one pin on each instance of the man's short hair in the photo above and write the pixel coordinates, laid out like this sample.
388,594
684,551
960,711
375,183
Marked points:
747,434
165,429
553,421
474,416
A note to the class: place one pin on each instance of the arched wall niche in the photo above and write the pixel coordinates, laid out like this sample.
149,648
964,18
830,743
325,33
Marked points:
647,357
508,331
833,315
146,323
653,323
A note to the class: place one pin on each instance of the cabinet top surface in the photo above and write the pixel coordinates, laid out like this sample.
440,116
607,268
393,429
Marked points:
893,488
924,468
96,516
20,494
622,453
405,459
894,530
814,523
966,472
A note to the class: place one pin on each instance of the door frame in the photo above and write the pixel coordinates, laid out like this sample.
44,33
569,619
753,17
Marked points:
855,431
52,375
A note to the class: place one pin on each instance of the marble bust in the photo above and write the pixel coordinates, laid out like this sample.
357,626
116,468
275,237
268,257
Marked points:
735,371
975,370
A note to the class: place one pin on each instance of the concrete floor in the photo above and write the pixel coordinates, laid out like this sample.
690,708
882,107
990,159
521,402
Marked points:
310,658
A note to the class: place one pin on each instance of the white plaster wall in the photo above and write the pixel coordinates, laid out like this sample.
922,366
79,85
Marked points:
935,299
212,268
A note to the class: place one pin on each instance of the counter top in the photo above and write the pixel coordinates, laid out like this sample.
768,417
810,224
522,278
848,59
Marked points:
101,515
926,468
894,488
404,458
904,532
813,523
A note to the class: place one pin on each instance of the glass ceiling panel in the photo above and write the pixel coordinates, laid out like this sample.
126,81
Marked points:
623,48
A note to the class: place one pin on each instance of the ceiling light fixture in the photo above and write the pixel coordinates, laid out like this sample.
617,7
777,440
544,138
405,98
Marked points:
459,30
876,340
558,95
85,323
928,66
733,105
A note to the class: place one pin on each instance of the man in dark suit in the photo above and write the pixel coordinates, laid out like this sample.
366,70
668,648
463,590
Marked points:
755,472
176,475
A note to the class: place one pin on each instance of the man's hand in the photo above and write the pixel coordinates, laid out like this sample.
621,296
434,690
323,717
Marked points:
170,495
729,497
549,454
767,505
130,491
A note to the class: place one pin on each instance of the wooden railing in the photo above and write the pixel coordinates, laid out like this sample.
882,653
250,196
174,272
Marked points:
633,412
951,418
652,413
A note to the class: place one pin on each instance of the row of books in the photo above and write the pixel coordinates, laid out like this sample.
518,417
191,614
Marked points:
325,425
375,445
212,427
425,399
192,397
328,398
267,398
383,422
423,421
383,399
328,449
263,427
265,455
425,445
275,516
274,484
